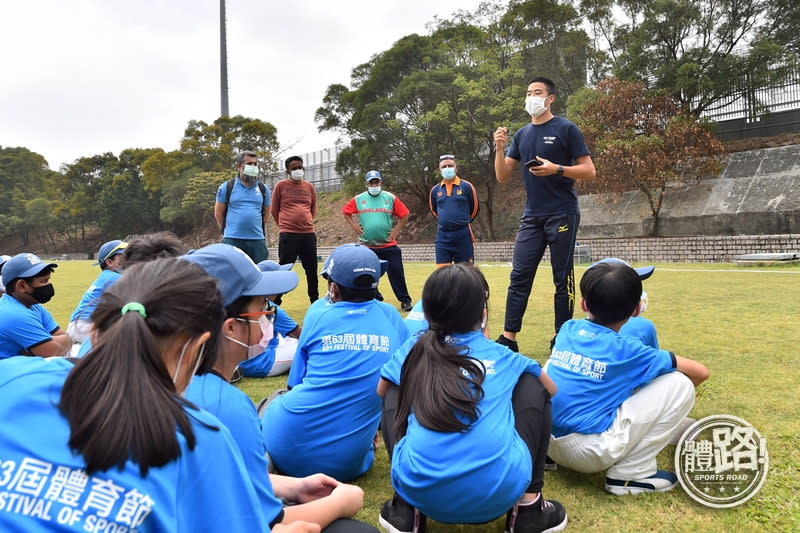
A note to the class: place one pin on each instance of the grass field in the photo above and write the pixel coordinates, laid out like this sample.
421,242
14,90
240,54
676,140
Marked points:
742,323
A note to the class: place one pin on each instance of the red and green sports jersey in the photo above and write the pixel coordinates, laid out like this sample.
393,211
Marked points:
375,216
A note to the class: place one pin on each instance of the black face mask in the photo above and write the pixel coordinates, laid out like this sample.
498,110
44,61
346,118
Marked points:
44,293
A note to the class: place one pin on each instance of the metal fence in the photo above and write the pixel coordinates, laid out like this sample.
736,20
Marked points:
782,97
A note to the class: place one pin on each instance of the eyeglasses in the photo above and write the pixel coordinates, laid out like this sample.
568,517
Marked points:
269,312
120,246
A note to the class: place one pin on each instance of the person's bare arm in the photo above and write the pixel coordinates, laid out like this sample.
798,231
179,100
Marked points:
583,169
383,387
58,346
219,214
503,166
352,223
548,383
695,371
398,228
322,499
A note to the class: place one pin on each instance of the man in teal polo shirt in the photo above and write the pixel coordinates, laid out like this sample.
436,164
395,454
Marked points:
376,210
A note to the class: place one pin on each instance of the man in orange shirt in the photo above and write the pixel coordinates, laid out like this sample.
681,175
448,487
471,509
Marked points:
294,205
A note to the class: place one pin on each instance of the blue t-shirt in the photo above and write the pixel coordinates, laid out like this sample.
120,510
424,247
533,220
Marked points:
237,412
596,370
557,140
44,486
260,365
23,328
477,475
415,319
327,421
640,328
91,297
243,220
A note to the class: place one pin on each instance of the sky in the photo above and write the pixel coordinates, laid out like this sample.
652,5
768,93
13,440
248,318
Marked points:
91,76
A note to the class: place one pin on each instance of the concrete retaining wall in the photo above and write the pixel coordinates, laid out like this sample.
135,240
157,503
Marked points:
758,192
658,250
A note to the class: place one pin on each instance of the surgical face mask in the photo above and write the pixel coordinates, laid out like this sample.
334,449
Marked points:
44,293
196,364
534,105
297,175
267,332
374,191
448,173
250,170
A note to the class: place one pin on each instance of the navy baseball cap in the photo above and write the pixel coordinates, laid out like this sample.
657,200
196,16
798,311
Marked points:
109,250
350,261
644,272
373,175
23,265
237,274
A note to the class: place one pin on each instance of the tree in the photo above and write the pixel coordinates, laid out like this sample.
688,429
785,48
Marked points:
198,199
705,53
642,140
446,93
783,24
24,176
212,147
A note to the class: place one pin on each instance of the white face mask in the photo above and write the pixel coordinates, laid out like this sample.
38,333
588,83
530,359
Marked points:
534,105
374,191
267,332
180,360
296,175
250,170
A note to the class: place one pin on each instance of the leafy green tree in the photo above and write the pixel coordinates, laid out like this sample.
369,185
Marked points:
446,93
198,199
782,24
24,177
705,53
212,147
643,140
40,221
81,184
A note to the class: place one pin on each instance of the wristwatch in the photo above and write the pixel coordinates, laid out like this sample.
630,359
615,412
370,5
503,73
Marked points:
560,170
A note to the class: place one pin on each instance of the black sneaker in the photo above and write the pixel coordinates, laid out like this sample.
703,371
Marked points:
398,516
406,306
550,465
237,375
542,516
661,481
505,341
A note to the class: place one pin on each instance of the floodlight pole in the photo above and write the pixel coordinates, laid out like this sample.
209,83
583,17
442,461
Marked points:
223,61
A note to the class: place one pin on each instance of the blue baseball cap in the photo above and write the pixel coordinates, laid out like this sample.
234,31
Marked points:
237,274
23,265
109,250
374,175
644,272
350,261
271,266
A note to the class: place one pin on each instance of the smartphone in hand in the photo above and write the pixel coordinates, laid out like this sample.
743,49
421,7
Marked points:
533,163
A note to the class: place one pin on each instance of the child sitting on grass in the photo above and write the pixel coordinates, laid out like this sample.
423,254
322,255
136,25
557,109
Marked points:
466,421
619,401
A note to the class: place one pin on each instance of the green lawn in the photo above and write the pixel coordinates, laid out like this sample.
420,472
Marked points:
740,322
